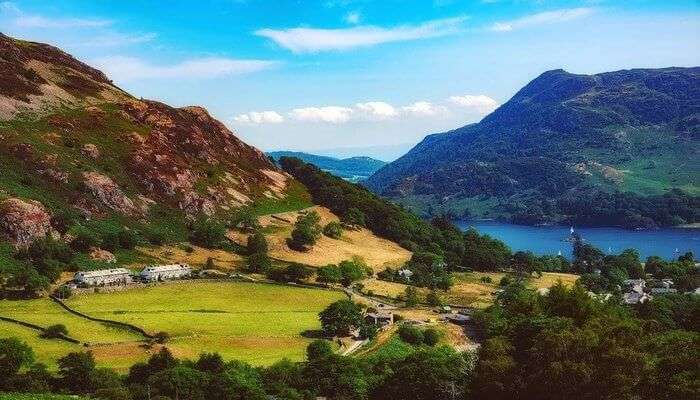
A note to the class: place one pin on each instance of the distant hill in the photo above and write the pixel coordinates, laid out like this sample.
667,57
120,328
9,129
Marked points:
353,169
617,148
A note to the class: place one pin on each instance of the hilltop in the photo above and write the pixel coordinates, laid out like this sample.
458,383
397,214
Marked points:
75,147
625,140
353,168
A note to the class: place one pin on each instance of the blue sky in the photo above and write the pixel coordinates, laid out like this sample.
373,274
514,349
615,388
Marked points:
354,76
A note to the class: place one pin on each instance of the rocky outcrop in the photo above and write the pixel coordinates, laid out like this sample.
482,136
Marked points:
108,193
23,221
102,255
91,151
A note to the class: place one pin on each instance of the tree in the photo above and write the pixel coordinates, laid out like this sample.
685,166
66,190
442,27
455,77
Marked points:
351,272
13,356
179,382
329,274
259,263
333,230
411,296
431,336
411,334
341,317
55,331
306,232
245,219
76,370
257,244
318,350
210,362
353,218
433,299
207,232
293,272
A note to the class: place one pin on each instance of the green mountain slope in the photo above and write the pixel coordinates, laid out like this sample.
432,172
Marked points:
618,148
352,168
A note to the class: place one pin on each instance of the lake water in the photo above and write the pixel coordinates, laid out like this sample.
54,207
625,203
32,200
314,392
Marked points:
666,243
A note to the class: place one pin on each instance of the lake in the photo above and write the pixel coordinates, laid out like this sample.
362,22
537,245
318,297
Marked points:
667,243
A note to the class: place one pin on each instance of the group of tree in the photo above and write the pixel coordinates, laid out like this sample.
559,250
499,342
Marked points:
345,273
293,272
606,273
427,373
257,248
567,345
306,232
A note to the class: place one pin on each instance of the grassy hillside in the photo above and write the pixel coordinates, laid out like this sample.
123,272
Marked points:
626,141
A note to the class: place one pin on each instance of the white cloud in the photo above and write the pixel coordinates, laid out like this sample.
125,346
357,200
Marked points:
38,21
377,109
259,117
118,39
9,7
129,68
542,18
424,109
353,17
311,40
480,104
331,114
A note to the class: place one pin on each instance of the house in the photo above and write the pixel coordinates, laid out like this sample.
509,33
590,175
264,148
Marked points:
165,272
635,285
113,276
458,319
380,319
406,274
663,290
635,297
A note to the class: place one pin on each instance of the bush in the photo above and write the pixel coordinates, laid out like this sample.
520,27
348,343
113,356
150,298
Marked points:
257,243
411,296
259,263
306,232
292,273
84,240
369,331
54,331
433,299
128,239
63,292
333,230
329,274
410,334
486,279
207,232
431,337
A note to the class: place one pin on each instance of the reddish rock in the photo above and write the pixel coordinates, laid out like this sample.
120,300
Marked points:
109,193
90,150
102,255
23,221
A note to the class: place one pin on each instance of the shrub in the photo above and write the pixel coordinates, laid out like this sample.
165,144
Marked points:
333,230
354,218
54,331
369,331
431,336
486,279
257,243
84,240
259,263
329,274
128,239
207,232
63,292
410,334
433,299
411,296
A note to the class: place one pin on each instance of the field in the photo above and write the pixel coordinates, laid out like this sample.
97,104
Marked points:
468,288
257,323
377,252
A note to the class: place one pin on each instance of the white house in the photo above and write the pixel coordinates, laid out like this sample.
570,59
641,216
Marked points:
114,276
164,272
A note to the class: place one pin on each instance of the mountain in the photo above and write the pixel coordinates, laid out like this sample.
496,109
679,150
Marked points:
74,144
353,169
617,148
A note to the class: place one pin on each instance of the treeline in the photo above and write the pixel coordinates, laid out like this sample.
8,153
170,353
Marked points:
594,207
428,372
439,246
568,345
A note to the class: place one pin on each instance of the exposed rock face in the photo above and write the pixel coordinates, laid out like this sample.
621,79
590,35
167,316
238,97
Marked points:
102,255
23,221
90,150
108,193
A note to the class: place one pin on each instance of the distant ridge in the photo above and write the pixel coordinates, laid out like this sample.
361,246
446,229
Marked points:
352,168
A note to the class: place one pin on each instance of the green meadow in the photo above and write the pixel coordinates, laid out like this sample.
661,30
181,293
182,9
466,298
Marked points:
257,323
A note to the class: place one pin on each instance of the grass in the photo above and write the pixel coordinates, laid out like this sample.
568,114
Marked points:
257,323
45,351
378,253
297,198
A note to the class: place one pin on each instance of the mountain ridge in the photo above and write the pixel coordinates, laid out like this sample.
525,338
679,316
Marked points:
351,168
560,133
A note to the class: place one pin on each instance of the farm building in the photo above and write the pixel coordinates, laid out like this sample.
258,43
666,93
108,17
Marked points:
164,272
381,319
114,276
